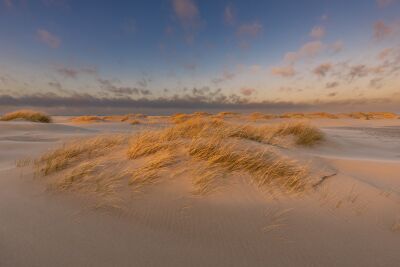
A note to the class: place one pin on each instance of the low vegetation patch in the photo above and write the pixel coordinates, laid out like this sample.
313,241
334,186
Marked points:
28,115
87,119
208,151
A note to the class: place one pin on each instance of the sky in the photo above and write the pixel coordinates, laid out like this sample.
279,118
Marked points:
163,56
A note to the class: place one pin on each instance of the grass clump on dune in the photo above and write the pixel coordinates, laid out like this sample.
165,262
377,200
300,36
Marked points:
87,119
75,151
28,115
207,151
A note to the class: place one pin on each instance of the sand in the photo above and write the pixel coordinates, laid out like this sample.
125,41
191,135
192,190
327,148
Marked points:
350,219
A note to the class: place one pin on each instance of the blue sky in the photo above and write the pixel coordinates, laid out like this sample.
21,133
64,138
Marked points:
219,52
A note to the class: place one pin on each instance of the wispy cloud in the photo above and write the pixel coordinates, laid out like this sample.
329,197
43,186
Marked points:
249,30
8,3
283,71
186,10
73,72
336,47
308,50
120,91
322,69
247,91
331,85
317,32
381,30
188,15
48,38
229,15
225,76
384,3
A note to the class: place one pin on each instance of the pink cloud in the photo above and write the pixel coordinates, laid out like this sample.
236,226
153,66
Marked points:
8,3
382,30
384,3
284,71
317,32
322,69
72,72
310,49
247,91
185,10
336,47
385,53
48,38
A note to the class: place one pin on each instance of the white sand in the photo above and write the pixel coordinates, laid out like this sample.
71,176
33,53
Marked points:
347,221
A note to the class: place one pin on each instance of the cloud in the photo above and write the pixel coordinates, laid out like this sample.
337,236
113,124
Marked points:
381,30
247,91
284,71
55,85
317,32
332,94
71,72
86,103
8,3
48,38
249,30
226,76
120,91
188,15
229,15
186,11
331,85
385,53
358,71
324,17
384,3
322,69
68,72
190,66
308,50
336,47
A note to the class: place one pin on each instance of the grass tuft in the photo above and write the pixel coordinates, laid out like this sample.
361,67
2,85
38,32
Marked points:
87,119
209,151
28,115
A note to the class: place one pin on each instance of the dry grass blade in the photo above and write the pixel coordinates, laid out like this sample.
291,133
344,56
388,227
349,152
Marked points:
71,152
153,168
265,167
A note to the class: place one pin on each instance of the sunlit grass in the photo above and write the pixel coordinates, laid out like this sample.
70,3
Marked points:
28,115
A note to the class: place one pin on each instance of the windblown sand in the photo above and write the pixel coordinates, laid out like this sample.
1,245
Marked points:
351,218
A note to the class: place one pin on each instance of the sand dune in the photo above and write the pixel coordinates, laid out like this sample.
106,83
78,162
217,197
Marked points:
347,220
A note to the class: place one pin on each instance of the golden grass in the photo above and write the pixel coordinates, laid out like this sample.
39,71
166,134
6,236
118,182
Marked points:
351,115
304,134
125,118
370,115
259,116
134,122
264,167
28,115
87,119
76,151
209,151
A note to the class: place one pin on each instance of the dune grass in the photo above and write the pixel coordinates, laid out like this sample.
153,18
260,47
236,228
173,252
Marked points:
87,119
28,115
76,151
207,151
